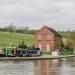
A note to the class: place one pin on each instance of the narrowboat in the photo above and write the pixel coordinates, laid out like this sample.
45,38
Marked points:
33,52
8,51
19,52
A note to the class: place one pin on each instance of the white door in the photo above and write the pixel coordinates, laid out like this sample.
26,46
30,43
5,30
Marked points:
40,46
47,47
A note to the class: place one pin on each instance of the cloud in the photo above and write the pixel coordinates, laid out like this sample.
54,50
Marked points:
59,14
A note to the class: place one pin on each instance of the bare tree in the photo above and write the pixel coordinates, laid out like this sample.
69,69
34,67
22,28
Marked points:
11,28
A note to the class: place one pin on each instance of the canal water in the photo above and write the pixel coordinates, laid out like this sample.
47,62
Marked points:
65,66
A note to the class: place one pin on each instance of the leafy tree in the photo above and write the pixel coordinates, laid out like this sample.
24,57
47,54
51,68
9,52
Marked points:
22,45
62,43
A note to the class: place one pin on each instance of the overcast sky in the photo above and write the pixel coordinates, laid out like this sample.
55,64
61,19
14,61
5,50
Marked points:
58,14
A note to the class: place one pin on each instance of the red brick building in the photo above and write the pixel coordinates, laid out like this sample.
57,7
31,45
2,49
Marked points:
47,39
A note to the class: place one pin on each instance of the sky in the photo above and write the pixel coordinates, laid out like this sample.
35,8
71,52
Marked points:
58,14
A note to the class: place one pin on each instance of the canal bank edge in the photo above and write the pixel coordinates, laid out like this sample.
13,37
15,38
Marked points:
36,58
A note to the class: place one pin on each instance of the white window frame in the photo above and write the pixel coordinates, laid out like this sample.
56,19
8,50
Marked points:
39,37
47,47
48,37
40,46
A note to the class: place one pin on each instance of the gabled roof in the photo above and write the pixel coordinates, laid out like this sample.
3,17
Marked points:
51,29
54,31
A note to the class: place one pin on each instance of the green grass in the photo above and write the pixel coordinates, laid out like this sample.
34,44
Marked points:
7,38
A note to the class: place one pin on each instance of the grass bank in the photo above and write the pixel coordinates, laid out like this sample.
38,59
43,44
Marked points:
7,38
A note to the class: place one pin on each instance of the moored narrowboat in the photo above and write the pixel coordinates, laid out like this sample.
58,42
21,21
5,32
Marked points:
19,52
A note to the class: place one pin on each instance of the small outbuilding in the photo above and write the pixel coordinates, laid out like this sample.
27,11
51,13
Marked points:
48,40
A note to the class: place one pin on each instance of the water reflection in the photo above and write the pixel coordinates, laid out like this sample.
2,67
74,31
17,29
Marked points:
46,67
67,67
16,68
38,67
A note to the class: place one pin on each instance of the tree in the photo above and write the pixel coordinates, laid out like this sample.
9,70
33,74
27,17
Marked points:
11,28
62,44
71,39
25,30
22,45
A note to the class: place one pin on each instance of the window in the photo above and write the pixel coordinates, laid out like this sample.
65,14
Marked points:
56,38
40,46
57,46
39,37
47,47
48,37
